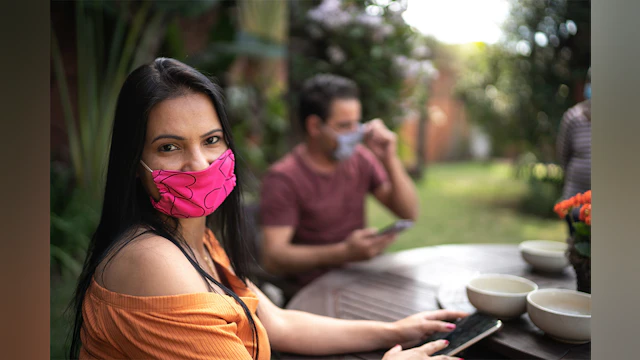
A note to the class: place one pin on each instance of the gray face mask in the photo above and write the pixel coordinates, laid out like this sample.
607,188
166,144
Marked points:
347,143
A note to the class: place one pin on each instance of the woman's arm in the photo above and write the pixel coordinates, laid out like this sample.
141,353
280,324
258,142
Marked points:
563,142
304,333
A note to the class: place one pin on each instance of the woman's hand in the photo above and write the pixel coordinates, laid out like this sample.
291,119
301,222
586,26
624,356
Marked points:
413,329
419,353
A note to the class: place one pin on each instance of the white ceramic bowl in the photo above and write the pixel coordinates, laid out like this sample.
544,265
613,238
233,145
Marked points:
545,255
503,296
565,315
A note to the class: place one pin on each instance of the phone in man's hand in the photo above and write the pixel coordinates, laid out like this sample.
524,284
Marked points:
396,227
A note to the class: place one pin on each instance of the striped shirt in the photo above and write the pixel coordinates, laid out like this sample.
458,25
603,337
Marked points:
574,149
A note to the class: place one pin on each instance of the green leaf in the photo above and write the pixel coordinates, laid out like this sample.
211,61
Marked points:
115,49
69,118
66,260
190,8
84,60
173,41
69,228
247,44
582,228
152,31
583,248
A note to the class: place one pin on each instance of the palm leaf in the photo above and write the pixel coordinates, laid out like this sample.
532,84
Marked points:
66,260
122,70
69,118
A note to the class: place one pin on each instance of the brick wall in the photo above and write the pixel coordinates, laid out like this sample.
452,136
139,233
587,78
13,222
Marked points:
447,130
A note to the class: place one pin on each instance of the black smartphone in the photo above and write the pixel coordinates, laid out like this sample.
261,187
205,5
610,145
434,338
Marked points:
396,227
468,331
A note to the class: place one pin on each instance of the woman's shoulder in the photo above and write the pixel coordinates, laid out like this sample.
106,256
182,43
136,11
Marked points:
578,114
149,265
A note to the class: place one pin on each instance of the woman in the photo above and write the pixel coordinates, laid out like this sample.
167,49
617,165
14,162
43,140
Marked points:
574,150
157,283
574,145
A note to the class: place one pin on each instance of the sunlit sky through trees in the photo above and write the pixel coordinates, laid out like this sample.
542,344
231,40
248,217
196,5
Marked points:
458,21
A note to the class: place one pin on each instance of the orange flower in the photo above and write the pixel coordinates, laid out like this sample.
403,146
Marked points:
581,200
585,211
577,200
561,208
557,209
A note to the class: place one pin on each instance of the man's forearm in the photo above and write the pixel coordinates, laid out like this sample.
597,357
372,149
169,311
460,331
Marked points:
404,198
294,258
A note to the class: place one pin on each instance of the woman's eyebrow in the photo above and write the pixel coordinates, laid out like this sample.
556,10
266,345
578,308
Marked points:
176,137
212,132
167,136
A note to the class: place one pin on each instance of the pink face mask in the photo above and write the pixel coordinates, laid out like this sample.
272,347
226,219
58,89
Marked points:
188,194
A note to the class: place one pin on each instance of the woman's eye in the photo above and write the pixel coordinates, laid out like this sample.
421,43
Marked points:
212,140
168,147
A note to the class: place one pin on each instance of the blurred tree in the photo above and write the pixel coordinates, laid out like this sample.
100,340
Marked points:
111,39
419,73
519,89
247,49
364,40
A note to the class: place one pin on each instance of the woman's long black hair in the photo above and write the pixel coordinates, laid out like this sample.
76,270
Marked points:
127,207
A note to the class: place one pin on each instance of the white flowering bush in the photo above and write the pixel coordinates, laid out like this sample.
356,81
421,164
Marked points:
364,40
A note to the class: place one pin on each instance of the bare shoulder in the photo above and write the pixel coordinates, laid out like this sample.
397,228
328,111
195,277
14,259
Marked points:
150,265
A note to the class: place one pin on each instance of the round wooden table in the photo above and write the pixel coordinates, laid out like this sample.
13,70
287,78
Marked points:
393,286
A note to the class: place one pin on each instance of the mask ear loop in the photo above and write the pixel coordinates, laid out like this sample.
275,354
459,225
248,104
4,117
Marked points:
151,171
145,166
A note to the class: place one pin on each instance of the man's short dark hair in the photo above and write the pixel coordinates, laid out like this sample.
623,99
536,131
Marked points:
320,91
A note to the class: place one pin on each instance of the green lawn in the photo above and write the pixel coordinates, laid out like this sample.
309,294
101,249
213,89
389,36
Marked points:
459,203
469,203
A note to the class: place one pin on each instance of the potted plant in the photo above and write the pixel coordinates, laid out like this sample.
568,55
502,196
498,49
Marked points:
577,211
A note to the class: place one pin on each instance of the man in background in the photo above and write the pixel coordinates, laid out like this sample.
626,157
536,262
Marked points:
312,203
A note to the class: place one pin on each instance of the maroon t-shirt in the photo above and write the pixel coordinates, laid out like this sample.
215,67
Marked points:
324,208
